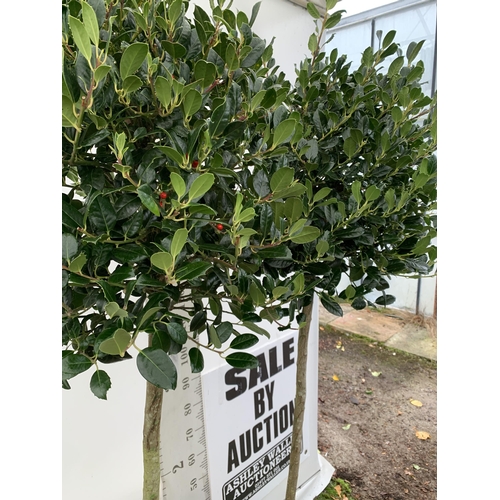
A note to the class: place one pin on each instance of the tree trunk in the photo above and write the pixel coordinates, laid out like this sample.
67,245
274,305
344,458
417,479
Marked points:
151,442
300,405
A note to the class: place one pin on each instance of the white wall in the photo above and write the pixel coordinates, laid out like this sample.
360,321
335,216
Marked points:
289,23
102,440
405,291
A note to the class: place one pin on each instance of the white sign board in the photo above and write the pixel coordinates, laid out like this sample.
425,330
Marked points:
226,433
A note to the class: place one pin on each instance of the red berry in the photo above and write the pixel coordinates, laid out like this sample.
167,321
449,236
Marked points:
163,195
219,226
194,164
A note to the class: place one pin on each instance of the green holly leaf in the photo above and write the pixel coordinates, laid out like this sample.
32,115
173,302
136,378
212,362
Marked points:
244,341
100,383
74,364
242,360
196,360
157,368
132,58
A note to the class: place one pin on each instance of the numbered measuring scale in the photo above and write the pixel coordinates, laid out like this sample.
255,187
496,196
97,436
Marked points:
184,455
226,432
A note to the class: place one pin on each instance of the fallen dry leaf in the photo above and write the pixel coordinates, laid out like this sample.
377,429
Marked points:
415,402
321,328
335,377
376,374
338,489
422,435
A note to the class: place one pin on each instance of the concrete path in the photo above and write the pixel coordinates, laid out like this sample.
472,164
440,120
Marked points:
393,327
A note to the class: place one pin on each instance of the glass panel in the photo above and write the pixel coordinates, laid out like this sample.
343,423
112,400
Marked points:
352,41
413,25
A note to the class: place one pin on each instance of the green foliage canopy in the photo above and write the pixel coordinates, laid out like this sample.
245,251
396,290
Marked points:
198,179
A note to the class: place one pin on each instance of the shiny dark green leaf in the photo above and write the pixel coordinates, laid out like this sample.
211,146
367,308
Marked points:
388,38
198,208
157,368
242,360
395,66
279,252
385,300
177,332
330,305
100,383
130,253
126,206
334,19
172,153
146,195
192,270
196,360
266,219
83,73
199,320
109,291
260,183
358,303
258,47
244,341
224,331
220,119
95,138
160,340
120,274
74,364
102,215
413,50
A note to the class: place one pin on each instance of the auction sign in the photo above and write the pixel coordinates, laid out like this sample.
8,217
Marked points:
227,432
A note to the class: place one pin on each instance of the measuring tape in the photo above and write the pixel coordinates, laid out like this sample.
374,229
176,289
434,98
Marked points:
183,451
